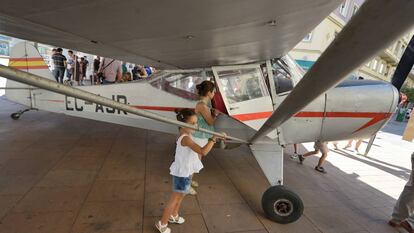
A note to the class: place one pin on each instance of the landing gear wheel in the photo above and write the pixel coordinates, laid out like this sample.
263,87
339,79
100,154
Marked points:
15,116
281,205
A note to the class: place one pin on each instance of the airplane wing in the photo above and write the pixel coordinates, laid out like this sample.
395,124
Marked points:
360,40
170,34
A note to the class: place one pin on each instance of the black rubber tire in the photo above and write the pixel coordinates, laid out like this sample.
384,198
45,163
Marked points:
280,193
15,116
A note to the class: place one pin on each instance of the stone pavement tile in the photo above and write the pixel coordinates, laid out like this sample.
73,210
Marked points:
302,225
15,146
47,199
210,162
17,184
136,146
52,222
218,194
318,198
161,138
80,163
208,176
7,202
123,166
40,153
67,178
27,166
258,231
366,216
164,149
159,166
117,190
159,182
155,202
109,216
193,223
230,218
160,155
250,184
333,219
381,227
88,151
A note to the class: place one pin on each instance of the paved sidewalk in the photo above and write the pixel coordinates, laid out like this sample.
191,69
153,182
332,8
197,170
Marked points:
65,174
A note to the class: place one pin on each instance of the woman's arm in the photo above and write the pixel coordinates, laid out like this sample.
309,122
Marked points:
186,141
206,113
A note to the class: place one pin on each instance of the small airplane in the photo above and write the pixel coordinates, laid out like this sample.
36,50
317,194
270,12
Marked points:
268,102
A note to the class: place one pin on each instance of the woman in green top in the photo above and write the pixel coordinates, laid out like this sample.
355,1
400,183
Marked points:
206,117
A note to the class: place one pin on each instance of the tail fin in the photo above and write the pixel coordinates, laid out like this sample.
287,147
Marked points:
24,56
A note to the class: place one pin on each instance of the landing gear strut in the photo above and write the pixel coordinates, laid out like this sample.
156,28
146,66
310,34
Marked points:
16,115
282,205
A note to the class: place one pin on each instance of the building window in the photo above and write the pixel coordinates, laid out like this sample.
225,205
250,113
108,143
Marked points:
401,50
342,8
375,64
308,37
397,49
381,68
355,9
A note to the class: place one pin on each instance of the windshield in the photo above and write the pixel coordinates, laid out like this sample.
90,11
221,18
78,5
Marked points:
288,65
180,83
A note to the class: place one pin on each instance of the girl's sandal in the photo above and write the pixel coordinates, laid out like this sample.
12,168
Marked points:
177,219
162,228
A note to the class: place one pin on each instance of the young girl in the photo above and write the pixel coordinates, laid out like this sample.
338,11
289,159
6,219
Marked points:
186,163
206,117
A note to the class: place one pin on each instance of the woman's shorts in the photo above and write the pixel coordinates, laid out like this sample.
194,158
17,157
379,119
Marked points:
181,184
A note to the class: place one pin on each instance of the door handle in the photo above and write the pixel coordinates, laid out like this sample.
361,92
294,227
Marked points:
233,108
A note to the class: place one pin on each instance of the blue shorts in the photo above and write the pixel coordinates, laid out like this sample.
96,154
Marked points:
181,184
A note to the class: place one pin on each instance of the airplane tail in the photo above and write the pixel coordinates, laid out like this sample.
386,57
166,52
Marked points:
24,56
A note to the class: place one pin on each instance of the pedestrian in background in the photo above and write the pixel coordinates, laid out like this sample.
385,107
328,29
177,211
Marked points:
318,146
59,64
403,213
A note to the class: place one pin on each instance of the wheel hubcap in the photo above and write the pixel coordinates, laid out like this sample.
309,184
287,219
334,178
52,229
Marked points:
283,207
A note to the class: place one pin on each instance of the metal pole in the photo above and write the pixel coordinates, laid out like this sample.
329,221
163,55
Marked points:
43,83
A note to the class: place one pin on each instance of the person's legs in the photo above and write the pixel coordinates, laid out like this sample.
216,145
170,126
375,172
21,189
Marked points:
349,144
295,147
310,153
322,159
405,204
335,145
56,74
170,207
302,157
61,74
176,209
357,144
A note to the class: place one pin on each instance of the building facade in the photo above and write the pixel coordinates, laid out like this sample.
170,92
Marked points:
381,67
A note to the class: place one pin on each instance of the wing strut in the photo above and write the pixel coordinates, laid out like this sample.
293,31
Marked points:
43,83
360,39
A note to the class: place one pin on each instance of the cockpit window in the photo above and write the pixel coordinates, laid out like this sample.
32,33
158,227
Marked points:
242,84
286,73
182,84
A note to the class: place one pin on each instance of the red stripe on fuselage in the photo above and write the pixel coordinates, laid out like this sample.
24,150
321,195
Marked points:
27,59
375,116
30,67
158,108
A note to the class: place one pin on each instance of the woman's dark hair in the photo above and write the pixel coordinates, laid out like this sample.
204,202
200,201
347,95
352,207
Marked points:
184,114
205,87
